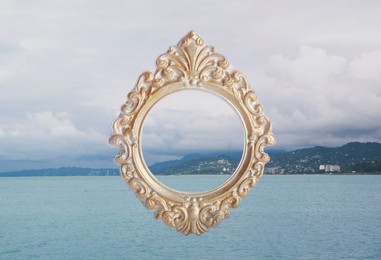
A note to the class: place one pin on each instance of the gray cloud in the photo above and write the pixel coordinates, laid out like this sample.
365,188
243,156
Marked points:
188,122
322,95
66,67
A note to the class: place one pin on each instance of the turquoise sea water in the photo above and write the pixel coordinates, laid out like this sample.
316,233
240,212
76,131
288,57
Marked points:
284,217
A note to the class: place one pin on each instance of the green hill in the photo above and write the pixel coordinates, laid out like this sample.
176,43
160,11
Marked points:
352,157
201,164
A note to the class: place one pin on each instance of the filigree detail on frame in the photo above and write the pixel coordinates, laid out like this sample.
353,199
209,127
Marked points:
191,65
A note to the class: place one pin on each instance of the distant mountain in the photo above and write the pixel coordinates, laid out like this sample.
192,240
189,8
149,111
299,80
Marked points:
163,167
221,164
64,171
158,167
351,157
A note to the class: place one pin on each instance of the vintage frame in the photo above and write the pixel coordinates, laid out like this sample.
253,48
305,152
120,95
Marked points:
191,65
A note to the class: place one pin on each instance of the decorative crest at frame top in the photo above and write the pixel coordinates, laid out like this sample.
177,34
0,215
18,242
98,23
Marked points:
191,64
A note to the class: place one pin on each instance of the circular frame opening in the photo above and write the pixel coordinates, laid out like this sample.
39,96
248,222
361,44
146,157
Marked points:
231,151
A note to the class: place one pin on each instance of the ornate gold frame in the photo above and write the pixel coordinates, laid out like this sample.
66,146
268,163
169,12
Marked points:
191,65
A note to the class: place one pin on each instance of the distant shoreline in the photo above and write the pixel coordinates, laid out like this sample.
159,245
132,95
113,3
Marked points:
353,158
187,175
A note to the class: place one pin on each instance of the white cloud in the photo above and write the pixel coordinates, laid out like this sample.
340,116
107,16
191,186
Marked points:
312,66
48,124
318,101
367,66
45,135
191,121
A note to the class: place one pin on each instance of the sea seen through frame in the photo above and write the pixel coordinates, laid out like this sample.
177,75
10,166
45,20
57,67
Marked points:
284,217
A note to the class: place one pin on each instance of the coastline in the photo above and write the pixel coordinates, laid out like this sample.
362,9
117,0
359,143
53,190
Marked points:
188,175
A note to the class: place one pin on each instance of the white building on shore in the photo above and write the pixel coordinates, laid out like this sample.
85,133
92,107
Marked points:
329,168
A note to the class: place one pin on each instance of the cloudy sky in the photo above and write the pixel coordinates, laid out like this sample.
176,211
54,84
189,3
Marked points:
66,67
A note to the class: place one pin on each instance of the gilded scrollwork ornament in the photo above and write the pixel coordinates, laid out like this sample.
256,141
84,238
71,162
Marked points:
191,64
